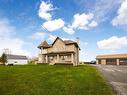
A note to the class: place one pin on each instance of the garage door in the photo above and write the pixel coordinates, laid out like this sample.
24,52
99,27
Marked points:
123,61
111,61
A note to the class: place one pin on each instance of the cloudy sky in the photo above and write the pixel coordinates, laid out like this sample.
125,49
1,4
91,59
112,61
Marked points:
101,25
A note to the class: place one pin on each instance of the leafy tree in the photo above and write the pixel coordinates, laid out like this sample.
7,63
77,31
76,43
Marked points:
3,58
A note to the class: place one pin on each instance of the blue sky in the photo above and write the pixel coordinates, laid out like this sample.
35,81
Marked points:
101,25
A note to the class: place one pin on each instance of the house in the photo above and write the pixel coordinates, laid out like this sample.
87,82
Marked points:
114,59
59,52
16,59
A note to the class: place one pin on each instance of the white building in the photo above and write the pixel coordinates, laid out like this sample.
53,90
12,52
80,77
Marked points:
16,59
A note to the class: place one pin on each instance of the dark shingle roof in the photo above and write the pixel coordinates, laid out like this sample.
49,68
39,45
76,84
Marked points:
10,56
67,42
44,45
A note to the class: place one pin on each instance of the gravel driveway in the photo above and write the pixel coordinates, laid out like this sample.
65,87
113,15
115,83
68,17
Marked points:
116,76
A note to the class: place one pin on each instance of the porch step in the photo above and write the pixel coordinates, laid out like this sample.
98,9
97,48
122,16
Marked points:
51,63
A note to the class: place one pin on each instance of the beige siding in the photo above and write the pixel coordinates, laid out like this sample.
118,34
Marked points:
60,46
1,63
112,56
70,47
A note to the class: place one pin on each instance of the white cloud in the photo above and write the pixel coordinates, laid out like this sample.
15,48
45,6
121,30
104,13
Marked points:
5,28
69,30
103,9
53,24
15,45
44,10
121,18
82,20
9,40
38,35
113,42
93,24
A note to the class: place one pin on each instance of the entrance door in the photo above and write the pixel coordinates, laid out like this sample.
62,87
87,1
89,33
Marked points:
52,59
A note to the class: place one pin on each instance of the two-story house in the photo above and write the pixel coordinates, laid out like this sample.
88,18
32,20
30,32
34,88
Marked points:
59,52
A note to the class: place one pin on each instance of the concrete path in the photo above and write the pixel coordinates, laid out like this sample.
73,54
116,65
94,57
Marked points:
116,76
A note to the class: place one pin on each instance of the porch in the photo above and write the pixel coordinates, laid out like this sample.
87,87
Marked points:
59,58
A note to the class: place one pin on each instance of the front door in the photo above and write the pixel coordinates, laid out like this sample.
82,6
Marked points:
52,59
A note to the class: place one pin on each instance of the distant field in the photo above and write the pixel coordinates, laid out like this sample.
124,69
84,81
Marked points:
52,80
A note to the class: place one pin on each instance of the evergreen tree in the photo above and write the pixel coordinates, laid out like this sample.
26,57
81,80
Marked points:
3,58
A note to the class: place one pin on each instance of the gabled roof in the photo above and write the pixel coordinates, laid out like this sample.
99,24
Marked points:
21,57
56,40
44,45
69,42
66,42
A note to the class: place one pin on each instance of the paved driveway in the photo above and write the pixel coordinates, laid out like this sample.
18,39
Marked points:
116,76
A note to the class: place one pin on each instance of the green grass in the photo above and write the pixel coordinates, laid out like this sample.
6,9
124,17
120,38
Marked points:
52,80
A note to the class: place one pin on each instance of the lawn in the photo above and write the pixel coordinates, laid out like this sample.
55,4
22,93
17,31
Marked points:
52,80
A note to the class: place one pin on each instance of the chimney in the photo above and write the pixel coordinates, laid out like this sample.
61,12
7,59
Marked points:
77,40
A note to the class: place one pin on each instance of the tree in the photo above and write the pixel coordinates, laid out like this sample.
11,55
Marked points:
0,59
3,58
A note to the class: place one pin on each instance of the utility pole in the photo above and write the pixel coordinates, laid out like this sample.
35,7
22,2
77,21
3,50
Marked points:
6,51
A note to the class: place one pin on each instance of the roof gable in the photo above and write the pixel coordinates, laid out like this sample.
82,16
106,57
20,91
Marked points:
56,40
58,43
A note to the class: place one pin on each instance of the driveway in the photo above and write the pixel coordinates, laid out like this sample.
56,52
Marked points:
116,76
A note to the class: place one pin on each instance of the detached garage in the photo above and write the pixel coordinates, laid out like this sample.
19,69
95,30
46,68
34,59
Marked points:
114,59
16,59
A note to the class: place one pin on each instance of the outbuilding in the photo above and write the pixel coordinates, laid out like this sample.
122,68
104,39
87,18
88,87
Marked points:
113,59
16,59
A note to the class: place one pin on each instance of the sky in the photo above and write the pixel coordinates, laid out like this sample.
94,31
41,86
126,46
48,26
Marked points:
100,25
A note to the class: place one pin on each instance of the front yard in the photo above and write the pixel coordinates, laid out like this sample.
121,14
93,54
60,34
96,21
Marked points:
52,80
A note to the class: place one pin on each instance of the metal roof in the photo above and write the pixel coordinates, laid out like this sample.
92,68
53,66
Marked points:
18,57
